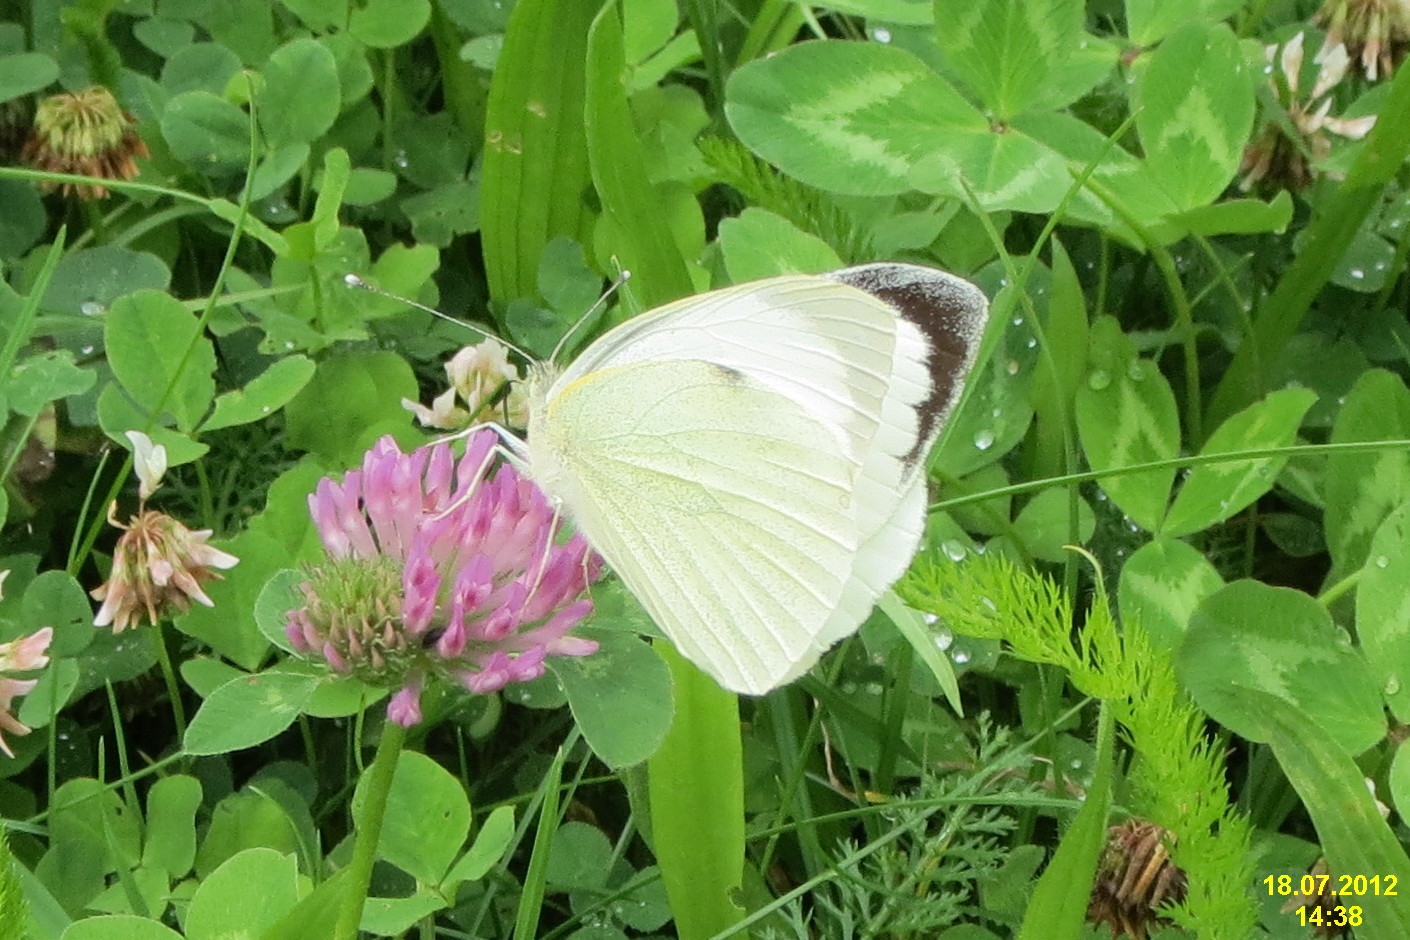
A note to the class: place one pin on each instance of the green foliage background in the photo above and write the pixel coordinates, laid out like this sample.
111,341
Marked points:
1198,374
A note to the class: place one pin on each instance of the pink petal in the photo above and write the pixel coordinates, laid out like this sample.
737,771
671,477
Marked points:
405,706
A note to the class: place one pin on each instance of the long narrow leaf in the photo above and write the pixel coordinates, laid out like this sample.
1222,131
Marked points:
1355,839
535,162
697,804
644,243
1059,905
526,925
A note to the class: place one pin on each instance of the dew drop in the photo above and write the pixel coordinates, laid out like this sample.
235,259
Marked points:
954,549
1137,371
983,440
944,640
1392,686
1012,367
960,657
1382,561
91,308
1098,380
881,34
1356,274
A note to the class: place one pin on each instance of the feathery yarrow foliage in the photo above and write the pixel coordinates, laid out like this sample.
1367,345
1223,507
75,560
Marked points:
941,840
1177,775
764,187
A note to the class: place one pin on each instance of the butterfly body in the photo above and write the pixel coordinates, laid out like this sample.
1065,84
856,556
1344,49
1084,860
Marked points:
750,460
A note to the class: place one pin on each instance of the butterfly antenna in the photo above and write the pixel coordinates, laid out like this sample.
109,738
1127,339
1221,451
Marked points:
352,280
601,302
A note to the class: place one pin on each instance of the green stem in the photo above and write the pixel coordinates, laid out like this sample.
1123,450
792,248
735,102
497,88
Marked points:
173,688
1179,300
87,22
465,93
704,18
1185,326
391,98
795,801
1332,594
369,829
774,27
310,746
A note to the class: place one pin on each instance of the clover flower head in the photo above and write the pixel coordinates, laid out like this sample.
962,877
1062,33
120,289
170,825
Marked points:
1285,154
1135,879
440,568
87,133
1374,32
22,655
158,564
477,376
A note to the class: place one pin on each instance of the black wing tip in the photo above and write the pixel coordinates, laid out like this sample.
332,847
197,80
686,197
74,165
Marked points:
952,314
921,294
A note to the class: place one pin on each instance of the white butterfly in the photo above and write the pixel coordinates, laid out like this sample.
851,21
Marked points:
750,461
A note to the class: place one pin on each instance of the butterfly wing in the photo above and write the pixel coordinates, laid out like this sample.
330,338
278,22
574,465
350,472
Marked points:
748,460
713,503
950,315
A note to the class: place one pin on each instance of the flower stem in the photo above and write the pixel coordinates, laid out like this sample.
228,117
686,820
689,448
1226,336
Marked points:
173,688
369,829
